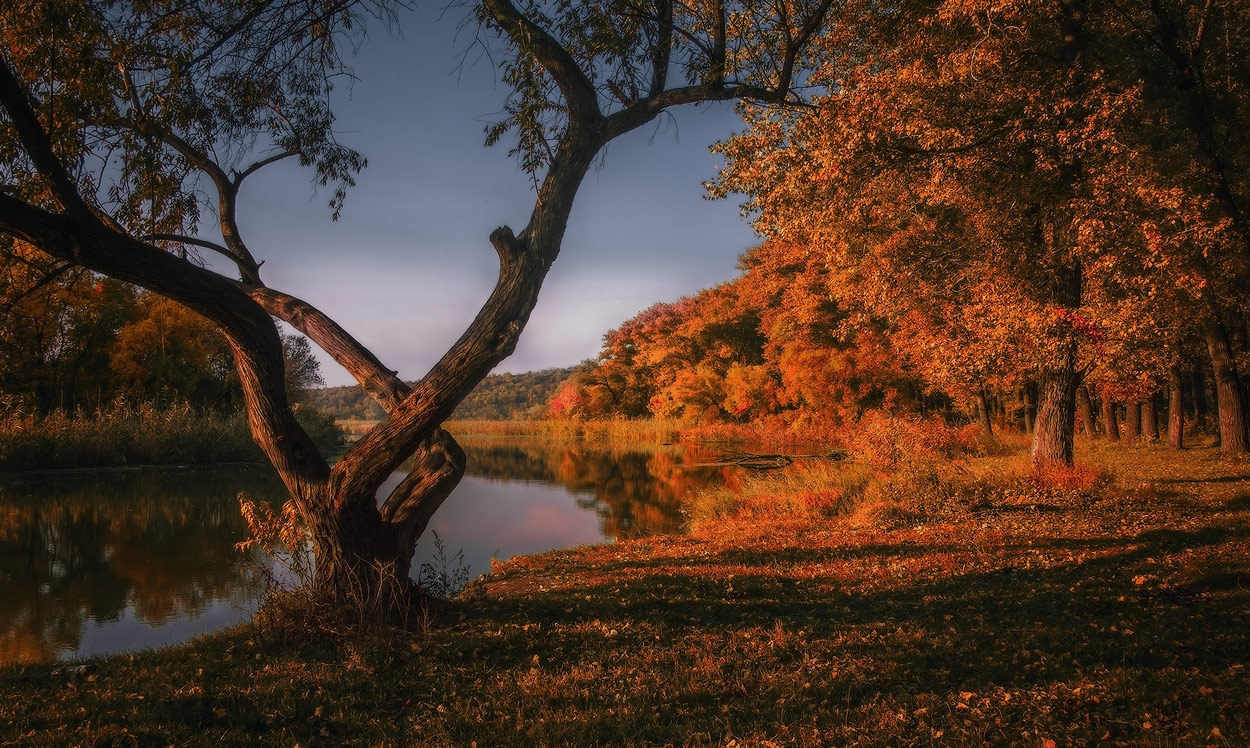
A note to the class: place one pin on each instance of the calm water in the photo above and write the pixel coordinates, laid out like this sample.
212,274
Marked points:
94,562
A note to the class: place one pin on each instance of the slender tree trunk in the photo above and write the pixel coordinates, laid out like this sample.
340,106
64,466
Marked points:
1228,395
1132,423
1149,420
1086,410
1111,429
1176,410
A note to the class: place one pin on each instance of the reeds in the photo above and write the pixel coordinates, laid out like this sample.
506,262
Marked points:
123,433
651,430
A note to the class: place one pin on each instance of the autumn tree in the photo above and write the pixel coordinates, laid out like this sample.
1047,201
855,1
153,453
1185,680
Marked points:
109,129
1025,159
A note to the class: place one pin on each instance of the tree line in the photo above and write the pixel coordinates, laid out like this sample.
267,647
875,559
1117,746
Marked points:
778,347
72,340
499,397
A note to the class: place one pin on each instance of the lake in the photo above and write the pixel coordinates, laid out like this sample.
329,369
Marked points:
102,561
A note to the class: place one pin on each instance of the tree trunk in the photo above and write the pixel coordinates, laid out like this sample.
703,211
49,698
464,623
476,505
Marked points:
983,413
1132,423
1111,429
1056,417
1228,395
1086,410
1176,410
1149,420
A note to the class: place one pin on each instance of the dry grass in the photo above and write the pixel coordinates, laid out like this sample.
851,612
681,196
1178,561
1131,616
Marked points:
649,430
1108,611
143,433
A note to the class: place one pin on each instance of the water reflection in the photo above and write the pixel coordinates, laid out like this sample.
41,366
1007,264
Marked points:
103,561
520,498
634,492
133,551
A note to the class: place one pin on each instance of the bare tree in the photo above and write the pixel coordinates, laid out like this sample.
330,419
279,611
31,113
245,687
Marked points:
187,94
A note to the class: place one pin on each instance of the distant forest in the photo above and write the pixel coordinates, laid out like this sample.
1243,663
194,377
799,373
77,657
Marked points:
498,397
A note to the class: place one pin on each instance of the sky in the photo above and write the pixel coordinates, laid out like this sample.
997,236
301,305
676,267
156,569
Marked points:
409,263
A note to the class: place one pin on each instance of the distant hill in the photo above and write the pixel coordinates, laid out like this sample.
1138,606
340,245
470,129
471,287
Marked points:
498,397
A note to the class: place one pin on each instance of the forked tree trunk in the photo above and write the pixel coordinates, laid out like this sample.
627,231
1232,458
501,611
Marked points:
1086,410
1176,410
363,551
1132,423
1110,426
1228,395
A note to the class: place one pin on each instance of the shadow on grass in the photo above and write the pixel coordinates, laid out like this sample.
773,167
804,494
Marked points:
1111,625
1133,643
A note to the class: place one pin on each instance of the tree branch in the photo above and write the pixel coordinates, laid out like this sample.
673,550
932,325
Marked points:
579,93
645,110
663,50
240,176
949,150
204,243
795,46
247,328
381,383
38,145
227,204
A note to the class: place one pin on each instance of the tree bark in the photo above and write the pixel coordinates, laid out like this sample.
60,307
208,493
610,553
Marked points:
1111,429
1056,418
1176,410
1132,423
1029,396
1198,388
1229,403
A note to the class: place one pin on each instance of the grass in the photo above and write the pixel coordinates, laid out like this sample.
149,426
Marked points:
1106,607
645,430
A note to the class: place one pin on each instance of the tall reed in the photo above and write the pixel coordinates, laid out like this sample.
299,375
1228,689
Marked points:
124,433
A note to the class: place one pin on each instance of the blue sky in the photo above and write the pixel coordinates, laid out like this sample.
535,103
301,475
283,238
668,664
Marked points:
408,264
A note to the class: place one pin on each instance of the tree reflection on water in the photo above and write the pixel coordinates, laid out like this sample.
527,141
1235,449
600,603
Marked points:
635,492
100,547
112,560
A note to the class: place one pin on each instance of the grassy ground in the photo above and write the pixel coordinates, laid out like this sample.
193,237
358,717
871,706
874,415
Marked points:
996,612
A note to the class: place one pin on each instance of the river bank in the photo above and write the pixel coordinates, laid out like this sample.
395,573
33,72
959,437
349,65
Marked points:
1004,614
122,434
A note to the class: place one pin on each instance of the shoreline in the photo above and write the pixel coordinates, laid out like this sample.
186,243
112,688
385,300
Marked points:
1114,617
